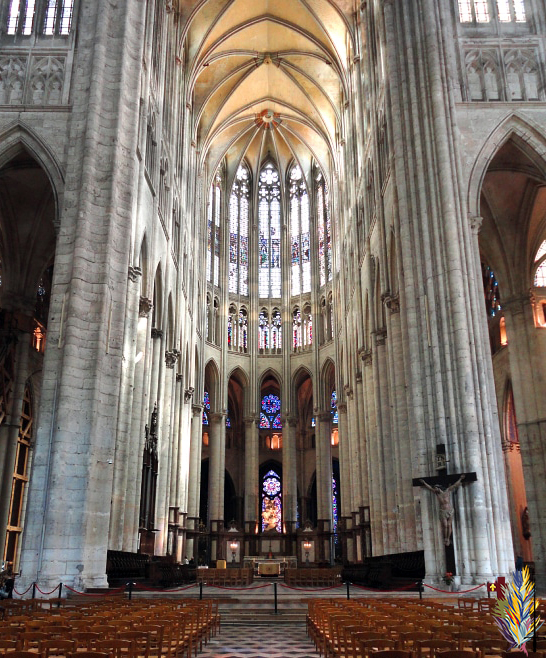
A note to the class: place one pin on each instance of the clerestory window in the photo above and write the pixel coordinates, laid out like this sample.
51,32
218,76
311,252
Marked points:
483,11
269,226
300,235
238,233
47,17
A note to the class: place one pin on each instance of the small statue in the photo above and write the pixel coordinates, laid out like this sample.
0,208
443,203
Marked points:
446,508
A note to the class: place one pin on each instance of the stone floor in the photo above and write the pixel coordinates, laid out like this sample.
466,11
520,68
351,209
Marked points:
250,641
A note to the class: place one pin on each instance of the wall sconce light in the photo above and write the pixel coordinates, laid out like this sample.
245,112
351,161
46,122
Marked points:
234,545
307,545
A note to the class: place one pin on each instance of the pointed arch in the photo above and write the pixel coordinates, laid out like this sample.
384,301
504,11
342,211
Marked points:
527,135
17,136
212,384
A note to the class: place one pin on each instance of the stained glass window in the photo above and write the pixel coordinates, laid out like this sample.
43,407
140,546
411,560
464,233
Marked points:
269,227
465,11
243,330
540,276
333,406
299,231
324,230
263,330
296,329
238,233
228,421
58,17
335,509
276,330
482,11
270,416
21,17
478,11
230,330
206,410
213,231
271,502
491,291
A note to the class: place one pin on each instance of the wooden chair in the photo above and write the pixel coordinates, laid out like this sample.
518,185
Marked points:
22,654
466,639
394,653
140,640
32,639
57,647
118,648
7,646
457,653
86,639
408,640
428,648
77,654
367,646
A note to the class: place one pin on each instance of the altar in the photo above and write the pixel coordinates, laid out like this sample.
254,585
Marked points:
263,566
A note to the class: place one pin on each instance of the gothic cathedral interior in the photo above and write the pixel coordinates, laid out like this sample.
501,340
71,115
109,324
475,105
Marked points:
270,270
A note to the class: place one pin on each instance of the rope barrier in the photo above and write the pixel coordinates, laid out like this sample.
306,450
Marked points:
23,593
310,589
109,593
240,589
394,589
47,593
161,589
462,591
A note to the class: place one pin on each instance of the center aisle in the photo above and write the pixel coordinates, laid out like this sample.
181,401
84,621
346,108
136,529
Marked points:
260,641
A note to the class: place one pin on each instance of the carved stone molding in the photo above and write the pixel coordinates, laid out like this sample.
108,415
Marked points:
475,223
251,420
348,391
197,409
342,408
381,336
144,307
516,305
179,378
367,357
217,416
157,333
358,376
324,416
291,421
188,394
134,273
392,302
171,357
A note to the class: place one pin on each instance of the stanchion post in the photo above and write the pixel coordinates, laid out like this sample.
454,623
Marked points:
60,595
33,590
488,591
129,588
275,592
348,590
201,591
421,588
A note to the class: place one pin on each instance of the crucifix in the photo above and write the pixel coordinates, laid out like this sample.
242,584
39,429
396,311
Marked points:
442,487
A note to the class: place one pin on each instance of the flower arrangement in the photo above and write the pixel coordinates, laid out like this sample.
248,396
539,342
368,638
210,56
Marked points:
447,578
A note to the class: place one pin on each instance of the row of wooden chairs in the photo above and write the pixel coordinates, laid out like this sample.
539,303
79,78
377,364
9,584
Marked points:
355,629
144,629
226,577
312,577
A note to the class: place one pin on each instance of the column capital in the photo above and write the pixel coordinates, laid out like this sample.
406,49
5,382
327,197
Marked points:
133,273
475,222
188,394
323,416
217,416
517,303
179,377
144,307
291,421
157,333
392,302
342,408
366,356
380,336
197,409
171,357
250,420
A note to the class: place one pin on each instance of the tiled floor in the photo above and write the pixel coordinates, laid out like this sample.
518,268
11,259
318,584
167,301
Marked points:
249,641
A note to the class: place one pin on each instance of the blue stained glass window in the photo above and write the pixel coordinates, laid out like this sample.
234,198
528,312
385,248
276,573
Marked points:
271,502
270,416
335,510
228,422
271,404
206,404
313,423
333,405
264,422
277,423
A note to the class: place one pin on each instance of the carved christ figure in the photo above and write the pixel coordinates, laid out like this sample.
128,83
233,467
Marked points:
446,508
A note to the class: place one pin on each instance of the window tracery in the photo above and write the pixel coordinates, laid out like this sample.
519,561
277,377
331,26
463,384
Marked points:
270,417
238,232
324,229
480,11
213,230
269,227
300,235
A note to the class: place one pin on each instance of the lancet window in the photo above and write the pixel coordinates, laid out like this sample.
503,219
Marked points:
238,233
243,330
269,227
491,291
58,17
333,408
480,11
213,230
324,229
299,230
271,502
206,408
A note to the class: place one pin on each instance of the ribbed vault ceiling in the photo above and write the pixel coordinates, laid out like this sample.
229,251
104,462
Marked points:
267,79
